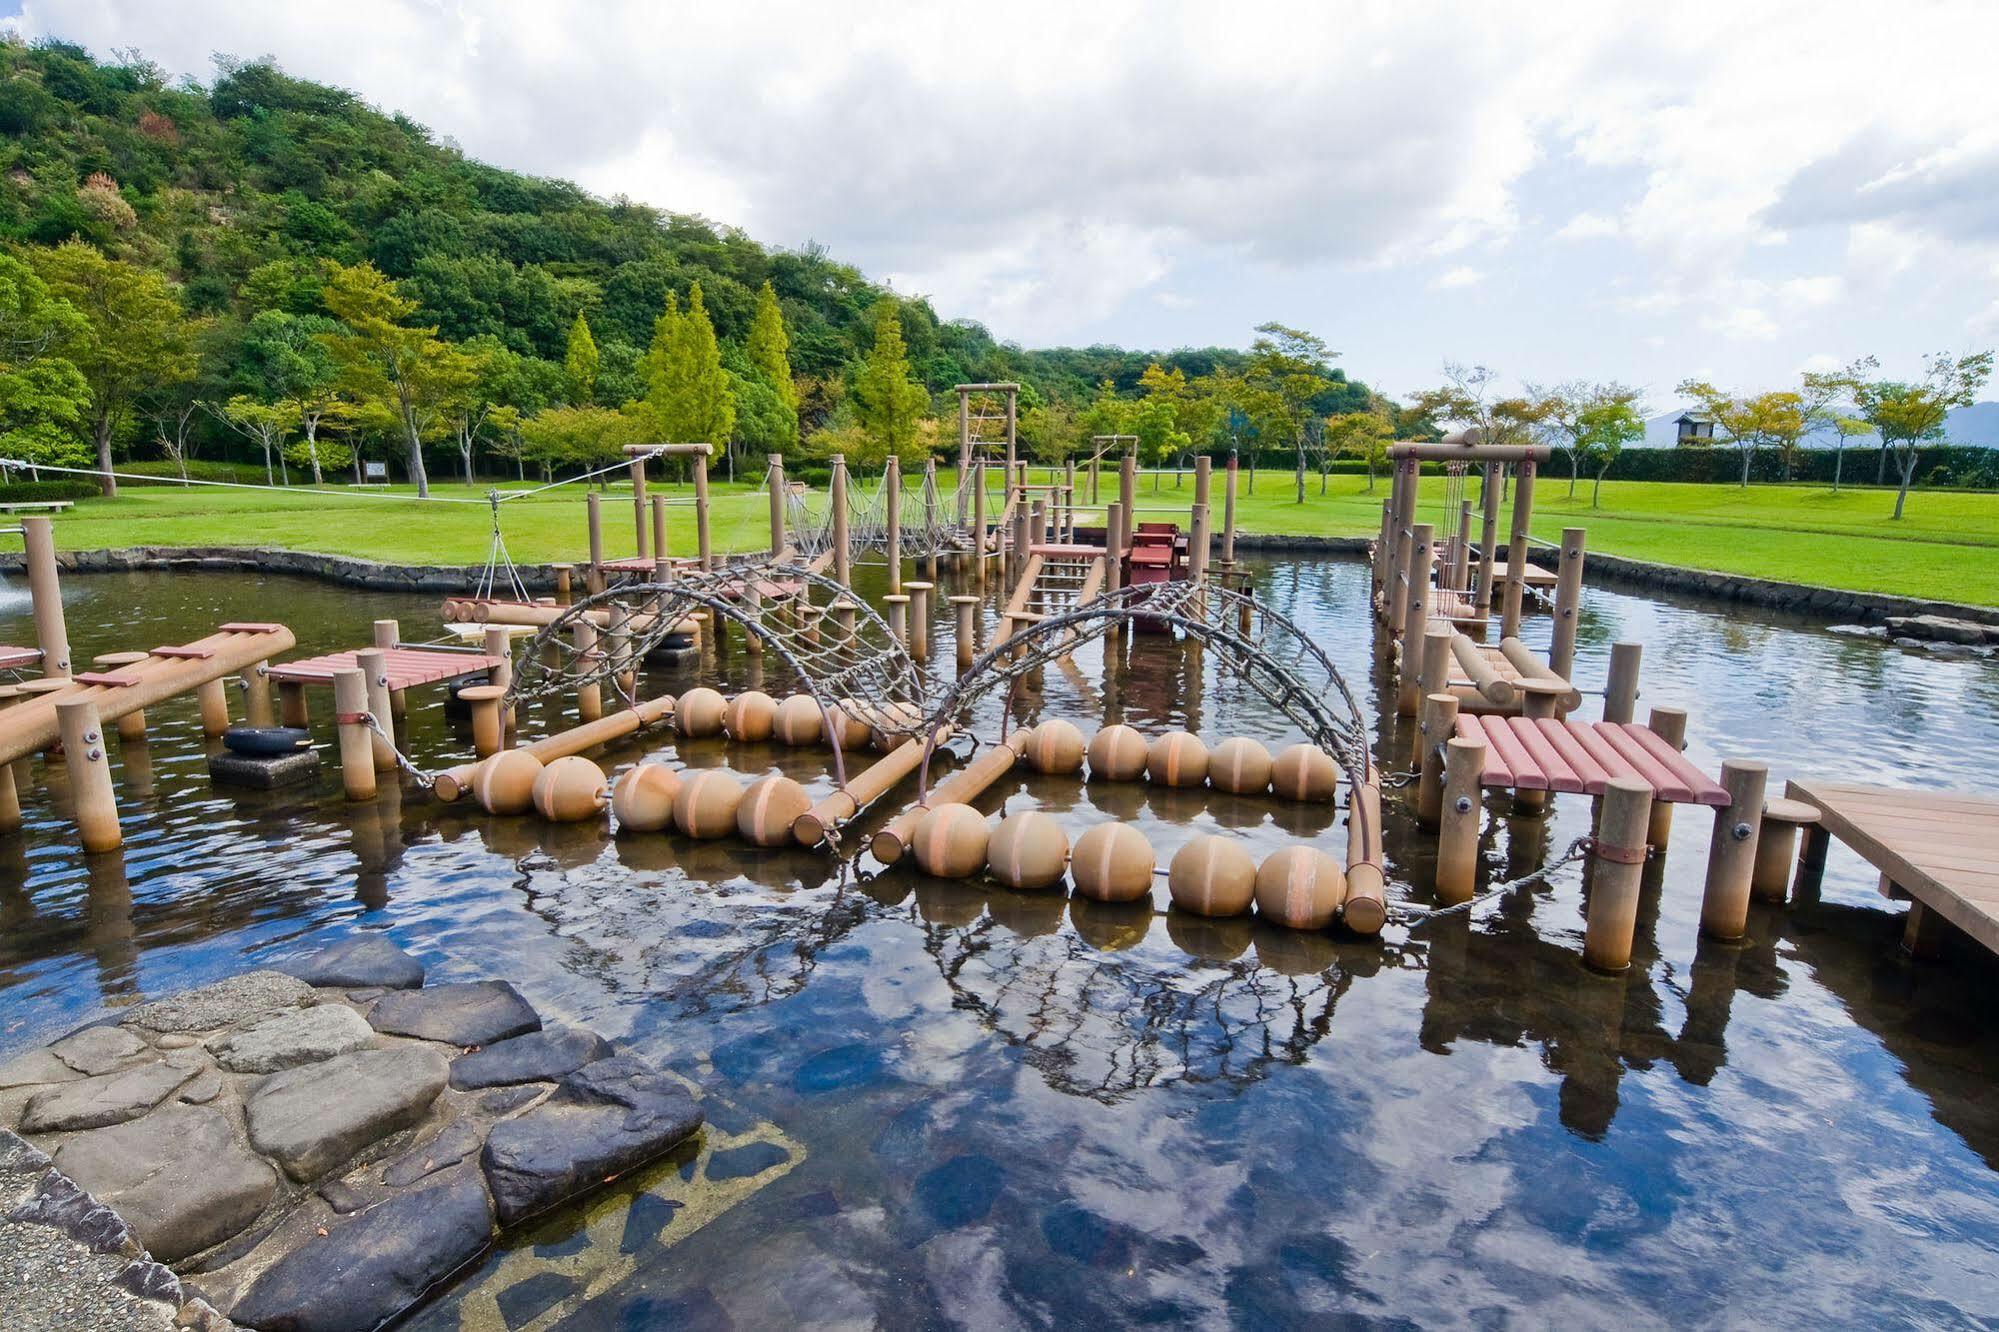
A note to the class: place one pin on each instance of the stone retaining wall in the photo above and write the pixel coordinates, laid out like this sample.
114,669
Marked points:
1614,570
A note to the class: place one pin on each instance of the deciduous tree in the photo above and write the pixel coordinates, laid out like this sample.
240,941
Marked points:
408,371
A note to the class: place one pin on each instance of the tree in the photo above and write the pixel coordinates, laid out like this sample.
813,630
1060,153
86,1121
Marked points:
579,362
1572,416
134,337
287,361
1845,427
1609,426
264,424
410,372
1744,422
688,396
43,396
1907,414
769,348
589,436
1290,368
1365,435
887,403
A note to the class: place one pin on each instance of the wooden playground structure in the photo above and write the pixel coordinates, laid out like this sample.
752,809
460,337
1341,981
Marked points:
1453,611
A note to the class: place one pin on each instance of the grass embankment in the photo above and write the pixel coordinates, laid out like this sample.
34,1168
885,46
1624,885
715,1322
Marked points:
1947,547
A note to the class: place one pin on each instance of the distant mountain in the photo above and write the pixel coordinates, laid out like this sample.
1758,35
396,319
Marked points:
1977,424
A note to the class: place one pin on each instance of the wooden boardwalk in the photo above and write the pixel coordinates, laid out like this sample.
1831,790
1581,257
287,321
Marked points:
1939,847
1546,754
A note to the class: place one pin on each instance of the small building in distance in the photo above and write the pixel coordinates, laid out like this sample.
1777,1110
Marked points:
1693,428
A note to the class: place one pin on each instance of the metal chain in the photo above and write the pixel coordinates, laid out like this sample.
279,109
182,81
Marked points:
1404,913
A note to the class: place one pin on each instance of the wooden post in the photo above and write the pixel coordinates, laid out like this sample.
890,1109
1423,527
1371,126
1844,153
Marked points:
1670,725
1228,515
357,742
892,503
1127,491
1458,820
291,705
1488,540
704,542
1620,695
213,698
562,574
964,434
930,519
1924,931
1617,864
593,578
590,696
489,728
842,555
639,503
919,621
662,561
1435,723
979,523
387,634
1415,614
1516,548
965,607
256,696
618,647
499,643
1732,850
1433,671
777,495
374,668
1568,602
45,594
898,617
1012,416
1811,865
89,775
1114,545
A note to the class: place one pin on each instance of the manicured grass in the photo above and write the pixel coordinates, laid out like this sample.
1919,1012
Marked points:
1947,547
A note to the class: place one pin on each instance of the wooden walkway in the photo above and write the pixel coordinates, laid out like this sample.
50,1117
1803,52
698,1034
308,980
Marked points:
1939,847
1546,754
405,667
14,658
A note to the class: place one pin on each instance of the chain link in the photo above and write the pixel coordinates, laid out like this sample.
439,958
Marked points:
420,776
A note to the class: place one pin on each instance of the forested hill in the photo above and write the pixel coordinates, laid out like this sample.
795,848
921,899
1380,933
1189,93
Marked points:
235,191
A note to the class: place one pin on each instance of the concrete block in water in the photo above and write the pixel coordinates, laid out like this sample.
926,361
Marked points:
264,772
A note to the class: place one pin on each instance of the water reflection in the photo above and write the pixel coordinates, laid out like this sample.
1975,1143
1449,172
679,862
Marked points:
1027,1107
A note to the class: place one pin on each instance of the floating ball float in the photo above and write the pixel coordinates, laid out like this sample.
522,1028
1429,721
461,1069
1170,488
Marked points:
705,806
799,721
1239,766
1300,886
642,797
1113,862
1212,876
769,808
750,716
1305,772
1177,758
950,841
1056,746
569,790
1028,850
699,713
1117,753
504,783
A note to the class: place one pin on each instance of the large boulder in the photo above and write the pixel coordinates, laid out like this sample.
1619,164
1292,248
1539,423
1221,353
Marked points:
539,1056
180,1177
313,1118
222,1004
463,1014
365,961
602,1120
290,1037
110,1098
365,1270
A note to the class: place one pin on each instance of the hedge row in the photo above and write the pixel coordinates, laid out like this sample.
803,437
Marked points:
66,488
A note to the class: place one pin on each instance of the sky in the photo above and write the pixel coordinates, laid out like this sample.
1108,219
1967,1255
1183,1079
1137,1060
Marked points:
1609,191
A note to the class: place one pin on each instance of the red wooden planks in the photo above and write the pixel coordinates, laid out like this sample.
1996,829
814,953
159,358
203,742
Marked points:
249,627
1506,763
1561,777
107,678
1665,784
405,668
1497,771
12,657
1706,791
1595,778
190,653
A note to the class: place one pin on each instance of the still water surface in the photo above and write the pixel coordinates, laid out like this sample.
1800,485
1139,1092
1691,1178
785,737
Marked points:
1013,1110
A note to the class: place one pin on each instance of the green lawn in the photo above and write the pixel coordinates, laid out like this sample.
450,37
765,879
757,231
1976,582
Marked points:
1947,547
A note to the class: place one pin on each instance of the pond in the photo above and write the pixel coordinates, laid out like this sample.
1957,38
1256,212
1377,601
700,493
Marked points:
997,1109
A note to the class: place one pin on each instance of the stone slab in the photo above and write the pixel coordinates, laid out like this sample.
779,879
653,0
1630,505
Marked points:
180,1177
97,1050
110,1098
223,1004
538,1056
291,1037
313,1119
263,772
372,1265
365,960
464,1014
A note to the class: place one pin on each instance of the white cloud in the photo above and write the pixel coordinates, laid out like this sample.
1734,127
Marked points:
1820,363
1789,174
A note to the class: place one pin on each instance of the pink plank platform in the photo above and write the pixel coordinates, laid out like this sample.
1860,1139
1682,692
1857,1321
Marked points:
405,667
1546,754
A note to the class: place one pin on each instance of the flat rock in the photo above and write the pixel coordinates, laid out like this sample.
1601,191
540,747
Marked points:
466,1013
97,1050
110,1098
223,1004
205,1087
366,960
602,1120
446,1147
539,1056
370,1267
290,1037
35,1068
313,1118
180,1177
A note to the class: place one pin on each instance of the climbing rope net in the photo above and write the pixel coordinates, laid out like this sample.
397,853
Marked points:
924,521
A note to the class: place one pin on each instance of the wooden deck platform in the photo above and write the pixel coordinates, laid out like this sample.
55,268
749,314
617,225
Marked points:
1939,847
16,658
1534,576
406,668
1546,754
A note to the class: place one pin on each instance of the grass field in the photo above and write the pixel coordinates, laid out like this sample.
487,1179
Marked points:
1947,547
